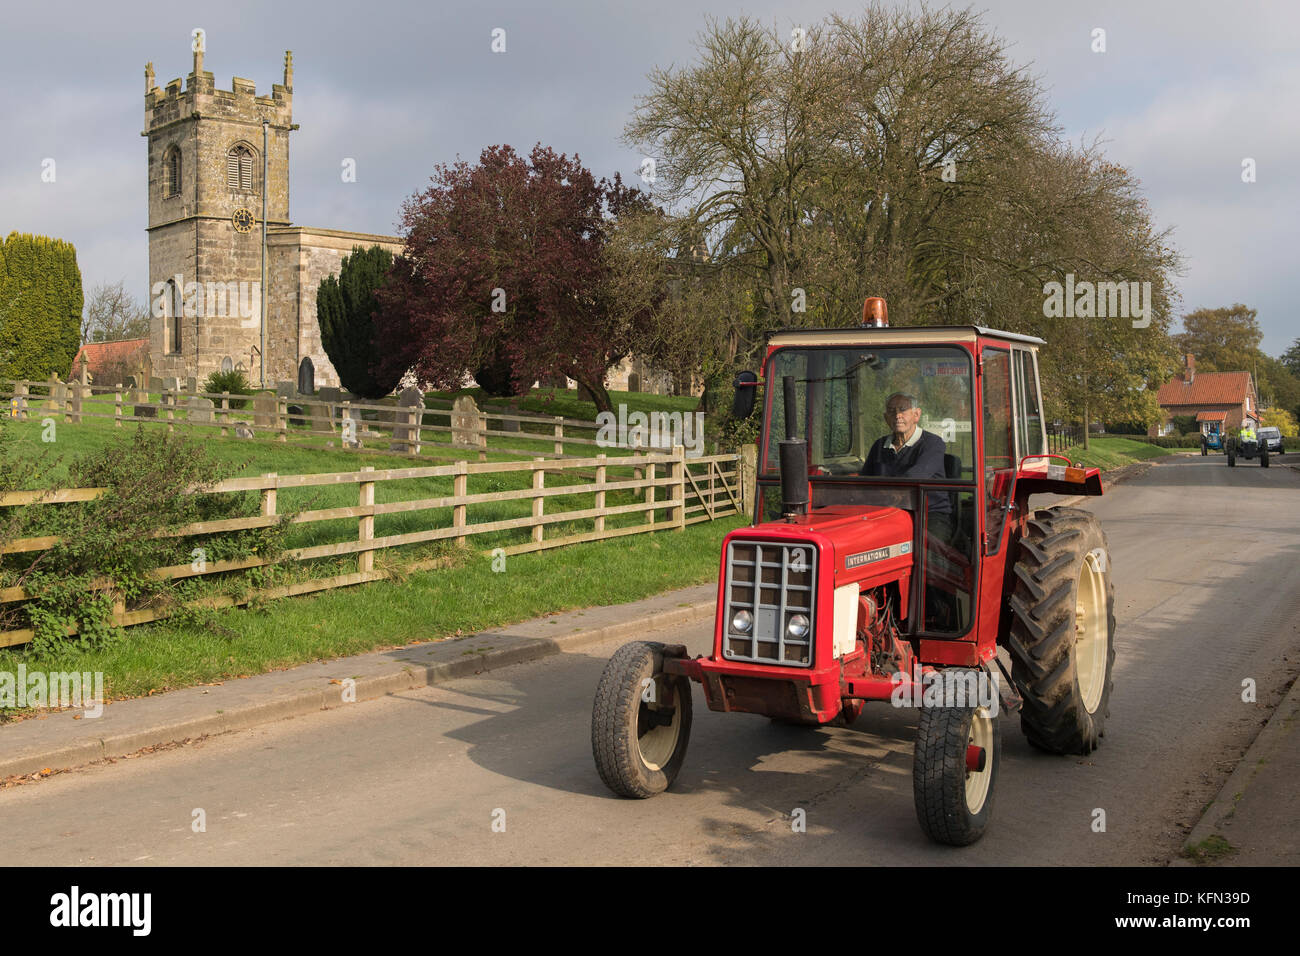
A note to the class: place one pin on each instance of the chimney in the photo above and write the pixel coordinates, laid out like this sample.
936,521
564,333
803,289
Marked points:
1189,368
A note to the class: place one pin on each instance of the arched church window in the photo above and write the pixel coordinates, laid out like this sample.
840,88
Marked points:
172,172
174,311
239,168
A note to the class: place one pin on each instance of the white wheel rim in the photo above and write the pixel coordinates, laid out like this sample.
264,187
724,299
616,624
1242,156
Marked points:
657,744
978,782
1091,631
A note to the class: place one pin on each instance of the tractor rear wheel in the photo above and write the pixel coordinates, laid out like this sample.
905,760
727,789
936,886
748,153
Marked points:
640,721
954,768
1062,640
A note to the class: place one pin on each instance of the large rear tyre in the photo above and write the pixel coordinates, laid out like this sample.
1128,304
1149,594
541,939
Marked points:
954,769
640,722
1062,640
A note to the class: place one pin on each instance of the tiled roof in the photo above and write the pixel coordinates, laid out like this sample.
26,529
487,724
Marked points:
1207,388
99,355
1211,416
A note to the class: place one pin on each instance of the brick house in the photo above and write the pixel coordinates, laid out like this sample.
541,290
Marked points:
1220,401
110,363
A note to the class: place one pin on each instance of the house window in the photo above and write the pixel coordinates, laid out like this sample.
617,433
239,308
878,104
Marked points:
172,173
239,168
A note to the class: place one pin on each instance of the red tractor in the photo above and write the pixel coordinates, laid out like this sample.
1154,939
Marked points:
890,561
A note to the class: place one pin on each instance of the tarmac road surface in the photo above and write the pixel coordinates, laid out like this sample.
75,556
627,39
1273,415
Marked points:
1207,571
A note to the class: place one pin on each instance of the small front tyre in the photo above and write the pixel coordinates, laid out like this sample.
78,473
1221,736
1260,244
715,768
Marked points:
640,722
954,770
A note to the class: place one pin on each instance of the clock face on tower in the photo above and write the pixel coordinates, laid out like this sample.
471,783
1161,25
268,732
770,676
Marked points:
243,219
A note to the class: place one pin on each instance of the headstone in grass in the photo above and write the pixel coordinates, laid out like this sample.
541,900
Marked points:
201,410
264,409
466,423
191,384
171,384
406,421
58,393
242,430
155,383
286,389
327,393
133,382
633,382
145,411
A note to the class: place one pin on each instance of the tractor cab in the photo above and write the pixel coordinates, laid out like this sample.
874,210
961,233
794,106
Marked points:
892,543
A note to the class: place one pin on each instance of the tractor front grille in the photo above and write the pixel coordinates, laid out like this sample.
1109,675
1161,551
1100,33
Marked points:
773,582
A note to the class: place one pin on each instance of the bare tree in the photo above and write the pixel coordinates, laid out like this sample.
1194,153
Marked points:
113,314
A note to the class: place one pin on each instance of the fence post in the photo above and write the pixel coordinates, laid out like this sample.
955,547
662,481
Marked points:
539,503
460,488
748,469
650,493
559,436
169,398
366,527
225,412
677,514
117,407
268,494
281,418
600,495
480,425
21,391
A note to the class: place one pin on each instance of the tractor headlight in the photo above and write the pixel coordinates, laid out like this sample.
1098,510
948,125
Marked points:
798,627
742,621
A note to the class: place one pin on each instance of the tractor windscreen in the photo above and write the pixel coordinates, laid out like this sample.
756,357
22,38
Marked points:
884,411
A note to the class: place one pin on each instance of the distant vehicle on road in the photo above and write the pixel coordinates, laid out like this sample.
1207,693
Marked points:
1248,449
1271,438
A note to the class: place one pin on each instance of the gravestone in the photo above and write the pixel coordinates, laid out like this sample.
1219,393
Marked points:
155,383
133,382
328,393
201,410
242,430
465,421
265,410
171,384
58,394
633,382
191,384
145,411
406,436
286,390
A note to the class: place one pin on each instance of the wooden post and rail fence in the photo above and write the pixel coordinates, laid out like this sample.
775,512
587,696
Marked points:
669,491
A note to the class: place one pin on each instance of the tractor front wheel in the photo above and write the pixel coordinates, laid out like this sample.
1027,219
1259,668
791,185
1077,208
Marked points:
954,768
1263,457
640,721
1062,640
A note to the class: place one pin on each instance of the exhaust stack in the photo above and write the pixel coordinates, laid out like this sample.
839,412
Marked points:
794,457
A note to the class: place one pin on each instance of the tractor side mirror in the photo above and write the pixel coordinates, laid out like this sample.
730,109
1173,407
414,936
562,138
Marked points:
746,385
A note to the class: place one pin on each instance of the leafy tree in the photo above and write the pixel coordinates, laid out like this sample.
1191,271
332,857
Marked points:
1225,339
113,314
901,154
503,274
345,311
1291,358
1282,420
40,306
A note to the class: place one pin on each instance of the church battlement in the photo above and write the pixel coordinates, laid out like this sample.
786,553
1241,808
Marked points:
198,93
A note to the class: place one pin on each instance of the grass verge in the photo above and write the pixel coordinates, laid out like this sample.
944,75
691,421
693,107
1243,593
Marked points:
426,606
1108,453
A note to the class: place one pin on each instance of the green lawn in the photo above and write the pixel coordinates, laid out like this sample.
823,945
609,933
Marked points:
1113,452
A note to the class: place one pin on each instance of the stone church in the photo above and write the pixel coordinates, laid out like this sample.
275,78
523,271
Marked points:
207,203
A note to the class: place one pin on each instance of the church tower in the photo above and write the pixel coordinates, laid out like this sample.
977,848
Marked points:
207,152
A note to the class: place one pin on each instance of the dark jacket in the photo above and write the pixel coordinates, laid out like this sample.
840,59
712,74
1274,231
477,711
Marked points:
922,460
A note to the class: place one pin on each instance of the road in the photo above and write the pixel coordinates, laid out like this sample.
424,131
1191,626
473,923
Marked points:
1207,568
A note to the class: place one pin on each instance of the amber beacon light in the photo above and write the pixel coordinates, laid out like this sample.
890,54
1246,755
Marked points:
875,313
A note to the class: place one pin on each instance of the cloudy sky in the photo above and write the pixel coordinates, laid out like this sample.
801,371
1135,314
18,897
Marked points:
1184,92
